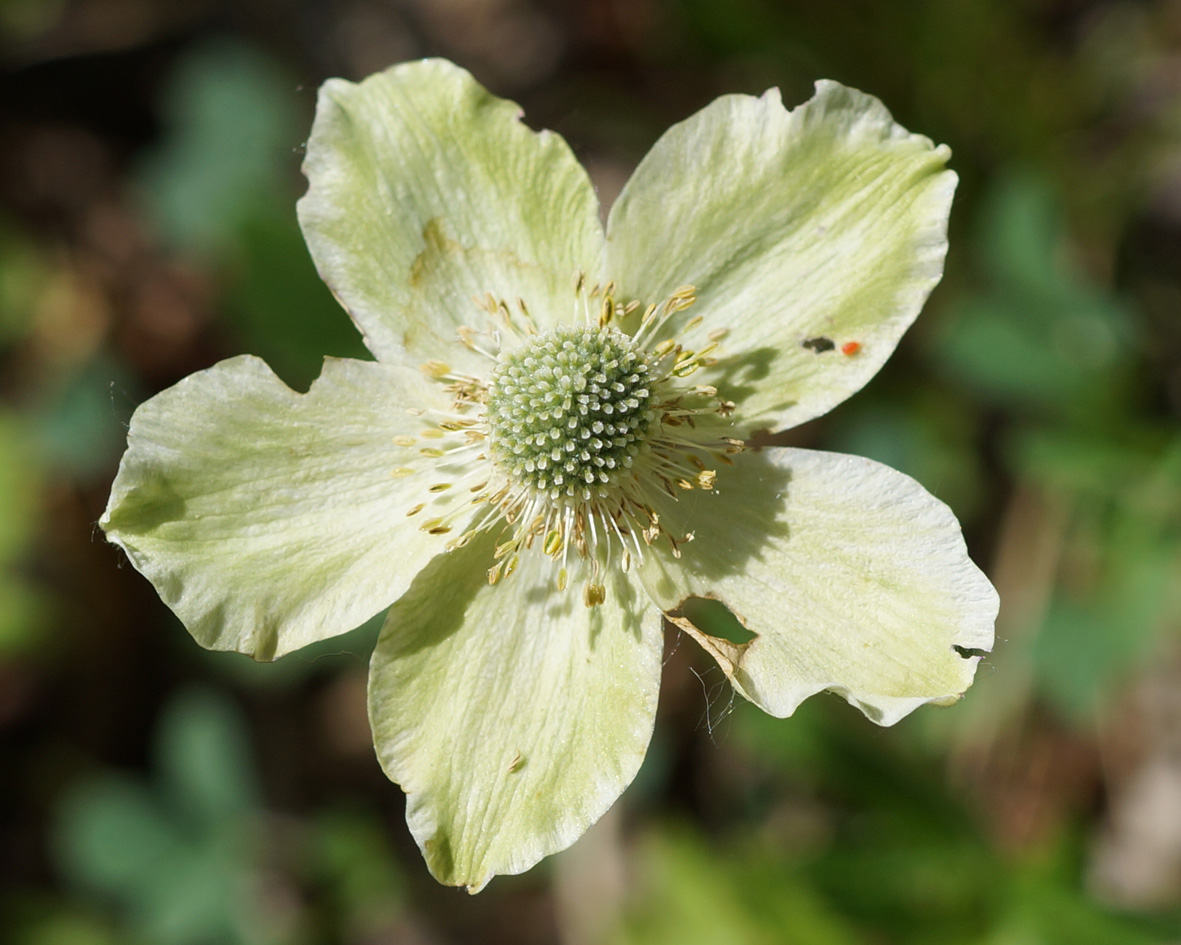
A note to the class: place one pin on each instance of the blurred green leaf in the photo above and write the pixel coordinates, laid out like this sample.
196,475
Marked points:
280,308
179,858
1040,335
204,760
223,184
232,123
39,919
78,430
114,835
1043,906
714,617
1118,596
1084,463
24,608
689,891
349,854
24,273
925,437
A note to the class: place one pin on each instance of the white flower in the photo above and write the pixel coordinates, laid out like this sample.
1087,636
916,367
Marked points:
552,440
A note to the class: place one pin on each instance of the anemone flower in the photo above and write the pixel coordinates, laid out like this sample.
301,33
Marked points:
552,451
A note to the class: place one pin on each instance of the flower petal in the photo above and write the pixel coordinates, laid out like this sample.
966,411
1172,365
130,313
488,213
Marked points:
268,519
852,577
813,238
512,715
426,191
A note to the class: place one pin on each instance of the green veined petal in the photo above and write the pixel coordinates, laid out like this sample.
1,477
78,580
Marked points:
268,519
804,232
512,715
426,191
852,576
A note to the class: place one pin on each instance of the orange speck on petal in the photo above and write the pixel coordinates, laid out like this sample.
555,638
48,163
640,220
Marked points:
850,348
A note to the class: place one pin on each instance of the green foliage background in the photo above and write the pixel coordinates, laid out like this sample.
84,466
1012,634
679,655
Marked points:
154,794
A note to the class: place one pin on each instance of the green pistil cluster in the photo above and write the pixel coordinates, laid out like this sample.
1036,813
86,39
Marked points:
570,410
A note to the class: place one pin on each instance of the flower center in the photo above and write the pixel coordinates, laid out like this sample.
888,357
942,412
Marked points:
571,410
575,436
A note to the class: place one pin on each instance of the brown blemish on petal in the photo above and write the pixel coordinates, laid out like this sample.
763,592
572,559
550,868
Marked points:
729,654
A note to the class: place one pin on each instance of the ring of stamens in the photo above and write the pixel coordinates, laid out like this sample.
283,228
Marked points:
571,437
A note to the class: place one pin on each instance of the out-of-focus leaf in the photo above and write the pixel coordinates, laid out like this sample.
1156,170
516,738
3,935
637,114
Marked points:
204,761
79,431
1091,641
281,309
23,608
223,184
688,892
350,855
1084,463
179,859
232,123
23,275
1122,567
1040,335
113,834
714,618
923,437
52,920
1041,905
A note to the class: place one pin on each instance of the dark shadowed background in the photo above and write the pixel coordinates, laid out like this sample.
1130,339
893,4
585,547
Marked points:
155,794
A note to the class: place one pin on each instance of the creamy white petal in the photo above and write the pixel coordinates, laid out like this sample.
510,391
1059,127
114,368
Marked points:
852,577
425,191
268,519
512,715
804,231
